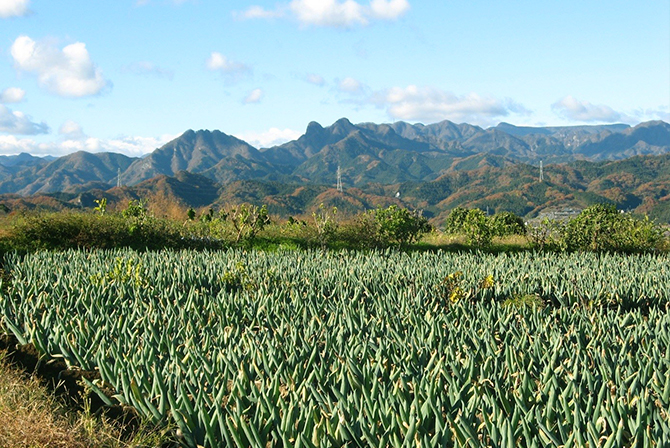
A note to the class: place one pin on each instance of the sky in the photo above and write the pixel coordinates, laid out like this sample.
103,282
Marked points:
127,76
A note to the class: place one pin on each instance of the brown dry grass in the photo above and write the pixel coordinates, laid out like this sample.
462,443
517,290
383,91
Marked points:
31,417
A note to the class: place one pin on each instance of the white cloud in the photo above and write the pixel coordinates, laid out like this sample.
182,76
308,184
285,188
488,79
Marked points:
232,70
147,68
315,79
72,129
254,96
68,72
133,146
10,145
331,13
388,9
14,8
574,109
662,113
12,95
18,123
269,138
350,85
258,12
430,104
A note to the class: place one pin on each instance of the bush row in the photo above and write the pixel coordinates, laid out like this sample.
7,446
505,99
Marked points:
242,225
598,228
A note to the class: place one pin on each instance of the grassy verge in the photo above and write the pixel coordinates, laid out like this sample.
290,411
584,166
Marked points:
32,416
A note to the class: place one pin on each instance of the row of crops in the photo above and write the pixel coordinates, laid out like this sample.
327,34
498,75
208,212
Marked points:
329,349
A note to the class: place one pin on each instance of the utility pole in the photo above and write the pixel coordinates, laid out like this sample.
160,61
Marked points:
339,179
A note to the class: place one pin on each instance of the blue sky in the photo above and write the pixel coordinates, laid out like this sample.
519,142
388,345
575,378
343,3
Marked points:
129,75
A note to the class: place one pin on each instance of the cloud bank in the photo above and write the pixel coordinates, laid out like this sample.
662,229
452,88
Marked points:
269,138
12,95
331,13
74,139
69,72
430,104
574,109
14,8
18,123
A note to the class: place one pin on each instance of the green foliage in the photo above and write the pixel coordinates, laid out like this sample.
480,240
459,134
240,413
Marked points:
124,271
602,228
83,230
480,229
399,226
248,220
237,278
547,234
451,287
248,348
455,223
361,232
135,209
101,208
524,300
325,225
207,216
506,224
477,229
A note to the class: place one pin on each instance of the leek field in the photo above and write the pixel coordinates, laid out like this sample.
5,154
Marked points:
373,349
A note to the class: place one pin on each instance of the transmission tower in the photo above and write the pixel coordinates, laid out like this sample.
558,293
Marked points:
339,179
541,172
118,178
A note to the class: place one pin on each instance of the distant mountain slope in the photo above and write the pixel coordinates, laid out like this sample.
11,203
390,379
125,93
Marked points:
367,153
192,151
640,184
23,159
63,173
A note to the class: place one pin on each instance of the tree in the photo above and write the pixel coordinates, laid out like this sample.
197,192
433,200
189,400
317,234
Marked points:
603,228
399,226
248,220
455,221
477,228
507,223
325,224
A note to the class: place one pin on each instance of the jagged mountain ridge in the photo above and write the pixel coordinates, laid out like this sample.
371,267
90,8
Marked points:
366,152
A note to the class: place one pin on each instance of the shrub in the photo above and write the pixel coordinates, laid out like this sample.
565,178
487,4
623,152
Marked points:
506,224
602,228
548,234
67,230
456,221
248,220
477,229
325,225
399,226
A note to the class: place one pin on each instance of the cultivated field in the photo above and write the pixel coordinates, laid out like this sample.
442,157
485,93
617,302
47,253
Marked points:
314,348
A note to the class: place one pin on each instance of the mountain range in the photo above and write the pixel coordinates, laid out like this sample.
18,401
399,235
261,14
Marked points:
429,164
